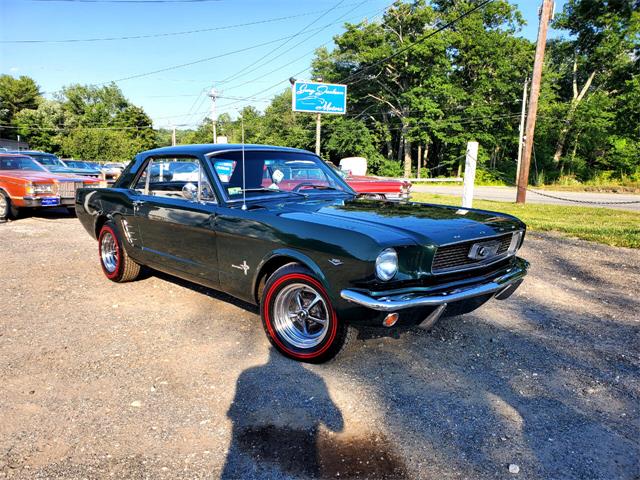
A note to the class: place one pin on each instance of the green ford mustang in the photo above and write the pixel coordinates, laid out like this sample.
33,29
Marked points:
277,227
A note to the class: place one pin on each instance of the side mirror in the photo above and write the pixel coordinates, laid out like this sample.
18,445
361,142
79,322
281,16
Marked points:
190,191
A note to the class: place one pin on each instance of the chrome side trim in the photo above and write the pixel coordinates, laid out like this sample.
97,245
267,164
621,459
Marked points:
393,303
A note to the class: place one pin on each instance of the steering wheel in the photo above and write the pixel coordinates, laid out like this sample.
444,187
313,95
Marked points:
298,187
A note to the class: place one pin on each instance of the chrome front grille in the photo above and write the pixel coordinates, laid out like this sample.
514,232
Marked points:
68,189
451,258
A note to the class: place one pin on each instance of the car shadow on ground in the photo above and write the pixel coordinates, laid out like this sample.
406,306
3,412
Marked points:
521,382
284,423
468,398
209,292
551,397
44,213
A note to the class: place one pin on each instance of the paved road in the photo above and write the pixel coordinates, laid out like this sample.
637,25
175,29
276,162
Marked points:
508,194
162,379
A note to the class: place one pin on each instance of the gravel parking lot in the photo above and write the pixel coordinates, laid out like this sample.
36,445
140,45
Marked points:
163,379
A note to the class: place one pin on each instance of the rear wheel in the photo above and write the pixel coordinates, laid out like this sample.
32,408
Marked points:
116,263
7,210
298,317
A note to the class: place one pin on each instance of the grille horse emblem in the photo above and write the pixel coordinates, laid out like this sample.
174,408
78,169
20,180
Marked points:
484,250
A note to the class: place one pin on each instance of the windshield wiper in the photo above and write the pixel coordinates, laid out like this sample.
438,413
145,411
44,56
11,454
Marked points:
264,189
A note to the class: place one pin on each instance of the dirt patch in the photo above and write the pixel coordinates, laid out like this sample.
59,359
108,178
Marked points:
162,379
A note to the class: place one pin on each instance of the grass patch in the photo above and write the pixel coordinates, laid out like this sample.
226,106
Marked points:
611,227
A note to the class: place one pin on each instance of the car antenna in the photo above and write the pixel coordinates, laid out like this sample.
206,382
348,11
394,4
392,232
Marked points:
244,186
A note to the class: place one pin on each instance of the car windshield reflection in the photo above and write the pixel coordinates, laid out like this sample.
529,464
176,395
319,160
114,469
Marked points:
286,173
20,163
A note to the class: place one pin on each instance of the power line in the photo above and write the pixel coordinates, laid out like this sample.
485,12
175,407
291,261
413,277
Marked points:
304,29
195,62
165,34
295,74
298,58
128,1
256,80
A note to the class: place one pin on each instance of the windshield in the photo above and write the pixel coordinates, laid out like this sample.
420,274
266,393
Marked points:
47,159
342,173
20,163
274,172
77,164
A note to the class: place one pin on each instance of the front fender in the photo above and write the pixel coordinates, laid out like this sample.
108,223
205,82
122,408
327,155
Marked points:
296,255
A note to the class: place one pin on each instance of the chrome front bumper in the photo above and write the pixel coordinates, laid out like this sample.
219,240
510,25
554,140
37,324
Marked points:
502,286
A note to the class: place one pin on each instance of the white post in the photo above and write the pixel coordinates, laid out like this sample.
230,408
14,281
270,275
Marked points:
521,134
318,135
469,174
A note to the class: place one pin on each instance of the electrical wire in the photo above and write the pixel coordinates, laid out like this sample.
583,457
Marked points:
236,86
164,34
300,32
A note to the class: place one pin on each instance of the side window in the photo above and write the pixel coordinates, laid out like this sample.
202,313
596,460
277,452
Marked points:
179,177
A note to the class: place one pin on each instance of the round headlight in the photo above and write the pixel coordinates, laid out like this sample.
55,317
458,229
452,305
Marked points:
387,264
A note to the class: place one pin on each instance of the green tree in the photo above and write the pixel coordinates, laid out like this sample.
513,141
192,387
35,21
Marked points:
92,106
15,94
602,54
42,126
99,145
136,125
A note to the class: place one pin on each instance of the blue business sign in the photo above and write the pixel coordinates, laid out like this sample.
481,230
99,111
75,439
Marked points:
314,97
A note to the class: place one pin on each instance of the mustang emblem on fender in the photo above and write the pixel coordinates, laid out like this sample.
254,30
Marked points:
243,266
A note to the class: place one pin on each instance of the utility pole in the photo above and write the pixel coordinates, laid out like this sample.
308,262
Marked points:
213,94
173,135
521,131
523,174
318,134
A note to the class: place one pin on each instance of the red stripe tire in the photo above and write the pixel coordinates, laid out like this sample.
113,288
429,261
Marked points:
298,317
114,260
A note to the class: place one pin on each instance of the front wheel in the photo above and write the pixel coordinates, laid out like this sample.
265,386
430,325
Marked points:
7,210
116,264
298,317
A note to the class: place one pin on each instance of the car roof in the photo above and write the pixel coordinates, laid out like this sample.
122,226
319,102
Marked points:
29,152
12,154
206,148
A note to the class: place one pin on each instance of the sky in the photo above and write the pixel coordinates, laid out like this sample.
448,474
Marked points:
243,48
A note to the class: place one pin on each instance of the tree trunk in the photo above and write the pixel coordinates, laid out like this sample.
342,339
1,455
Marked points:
419,159
407,158
577,98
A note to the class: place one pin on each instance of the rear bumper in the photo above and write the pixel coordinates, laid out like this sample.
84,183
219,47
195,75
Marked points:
500,287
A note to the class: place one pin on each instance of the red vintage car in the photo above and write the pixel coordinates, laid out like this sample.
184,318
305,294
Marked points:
24,183
376,187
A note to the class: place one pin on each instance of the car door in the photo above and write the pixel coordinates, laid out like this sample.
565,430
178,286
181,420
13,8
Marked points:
176,220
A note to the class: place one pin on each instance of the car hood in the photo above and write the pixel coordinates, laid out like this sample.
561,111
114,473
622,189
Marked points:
424,224
75,171
33,176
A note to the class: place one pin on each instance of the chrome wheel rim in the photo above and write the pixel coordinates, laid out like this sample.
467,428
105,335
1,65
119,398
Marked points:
301,316
109,252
